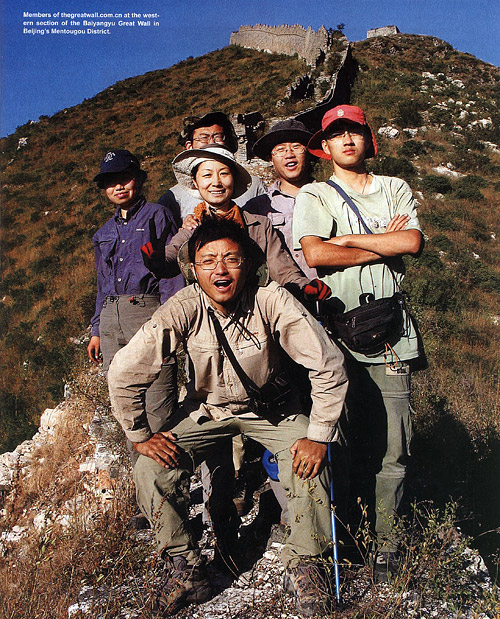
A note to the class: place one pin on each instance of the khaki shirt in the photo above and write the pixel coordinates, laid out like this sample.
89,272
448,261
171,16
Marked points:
264,316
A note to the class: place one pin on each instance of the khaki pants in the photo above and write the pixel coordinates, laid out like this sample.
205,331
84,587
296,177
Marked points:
163,494
121,317
378,405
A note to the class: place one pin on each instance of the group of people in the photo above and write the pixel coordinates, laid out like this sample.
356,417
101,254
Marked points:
232,272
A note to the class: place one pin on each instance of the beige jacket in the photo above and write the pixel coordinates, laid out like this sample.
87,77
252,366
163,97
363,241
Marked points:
282,268
265,316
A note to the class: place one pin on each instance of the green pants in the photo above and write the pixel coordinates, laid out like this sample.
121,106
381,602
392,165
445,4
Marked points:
378,405
163,494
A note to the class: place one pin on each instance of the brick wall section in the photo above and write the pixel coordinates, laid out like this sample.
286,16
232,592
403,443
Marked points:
290,40
382,32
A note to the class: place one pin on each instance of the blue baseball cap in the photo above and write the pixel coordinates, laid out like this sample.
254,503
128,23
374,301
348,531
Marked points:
270,465
116,161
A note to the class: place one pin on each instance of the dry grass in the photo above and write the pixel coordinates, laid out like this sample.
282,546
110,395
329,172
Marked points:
41,576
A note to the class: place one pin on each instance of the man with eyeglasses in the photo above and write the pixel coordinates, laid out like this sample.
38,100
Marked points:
259,323
285,146
200,131
356,237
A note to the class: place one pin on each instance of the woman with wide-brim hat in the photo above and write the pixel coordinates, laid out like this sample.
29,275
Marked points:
213,175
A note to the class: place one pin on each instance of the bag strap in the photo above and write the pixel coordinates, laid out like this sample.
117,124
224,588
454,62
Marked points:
350,203
250,387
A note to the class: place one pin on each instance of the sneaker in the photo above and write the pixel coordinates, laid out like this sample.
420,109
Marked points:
385,565
182,585
309,584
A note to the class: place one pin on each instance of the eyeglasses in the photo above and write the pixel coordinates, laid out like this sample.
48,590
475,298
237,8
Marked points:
281,151
230,262
206,138
354,133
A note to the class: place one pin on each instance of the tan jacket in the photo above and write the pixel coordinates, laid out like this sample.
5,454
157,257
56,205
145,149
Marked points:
264,316
282,267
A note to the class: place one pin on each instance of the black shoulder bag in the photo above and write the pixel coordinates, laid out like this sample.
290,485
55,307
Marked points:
266,400
367,329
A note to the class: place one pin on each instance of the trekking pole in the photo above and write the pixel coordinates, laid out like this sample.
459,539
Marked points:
334,529
332,504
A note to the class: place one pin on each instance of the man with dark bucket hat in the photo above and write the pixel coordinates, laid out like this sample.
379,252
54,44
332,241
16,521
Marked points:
355,233
285,146
199,131
127,292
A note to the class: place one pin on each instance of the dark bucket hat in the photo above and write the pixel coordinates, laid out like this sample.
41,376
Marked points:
290,130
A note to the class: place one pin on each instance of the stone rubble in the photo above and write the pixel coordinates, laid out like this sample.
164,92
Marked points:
256,594
389,132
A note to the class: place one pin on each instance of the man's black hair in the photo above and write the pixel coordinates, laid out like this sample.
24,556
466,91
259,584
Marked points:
214,229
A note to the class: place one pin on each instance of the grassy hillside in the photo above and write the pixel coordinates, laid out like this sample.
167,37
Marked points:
51,209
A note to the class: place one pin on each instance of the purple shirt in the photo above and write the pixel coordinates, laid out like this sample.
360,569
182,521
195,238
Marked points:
118,258
278,207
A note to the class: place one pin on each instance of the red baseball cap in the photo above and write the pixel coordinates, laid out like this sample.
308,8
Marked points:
351,113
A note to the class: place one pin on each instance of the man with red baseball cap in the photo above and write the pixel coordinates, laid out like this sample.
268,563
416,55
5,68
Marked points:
354,229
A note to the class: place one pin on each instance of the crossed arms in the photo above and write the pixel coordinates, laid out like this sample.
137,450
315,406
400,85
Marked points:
358,249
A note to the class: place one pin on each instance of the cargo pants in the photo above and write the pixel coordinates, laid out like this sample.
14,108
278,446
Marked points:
121,317
163,494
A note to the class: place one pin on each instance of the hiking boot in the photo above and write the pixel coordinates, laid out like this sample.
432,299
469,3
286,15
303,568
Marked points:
242,497
138,522
308,582
182,585
385,565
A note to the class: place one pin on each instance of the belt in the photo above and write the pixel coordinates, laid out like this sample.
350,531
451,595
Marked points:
134,298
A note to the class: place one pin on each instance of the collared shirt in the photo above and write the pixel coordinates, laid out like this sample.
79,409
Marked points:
278,206
267,320
118,259
282,268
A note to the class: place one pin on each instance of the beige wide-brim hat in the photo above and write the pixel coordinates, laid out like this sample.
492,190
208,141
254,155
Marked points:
185,162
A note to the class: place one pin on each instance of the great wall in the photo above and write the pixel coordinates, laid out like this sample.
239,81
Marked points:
312,46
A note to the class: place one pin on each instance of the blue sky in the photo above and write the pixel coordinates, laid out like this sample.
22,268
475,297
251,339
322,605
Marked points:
41,75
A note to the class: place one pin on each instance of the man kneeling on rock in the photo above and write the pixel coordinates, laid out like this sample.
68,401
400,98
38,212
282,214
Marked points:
234,330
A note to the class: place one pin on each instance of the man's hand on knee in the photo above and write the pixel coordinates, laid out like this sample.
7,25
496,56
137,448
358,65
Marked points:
308,457
161,448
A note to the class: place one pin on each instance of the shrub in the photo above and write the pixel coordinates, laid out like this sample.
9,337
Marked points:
411,148
466,159
22,178
436,184
393,166
48,265
469,193
407,114
442,242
